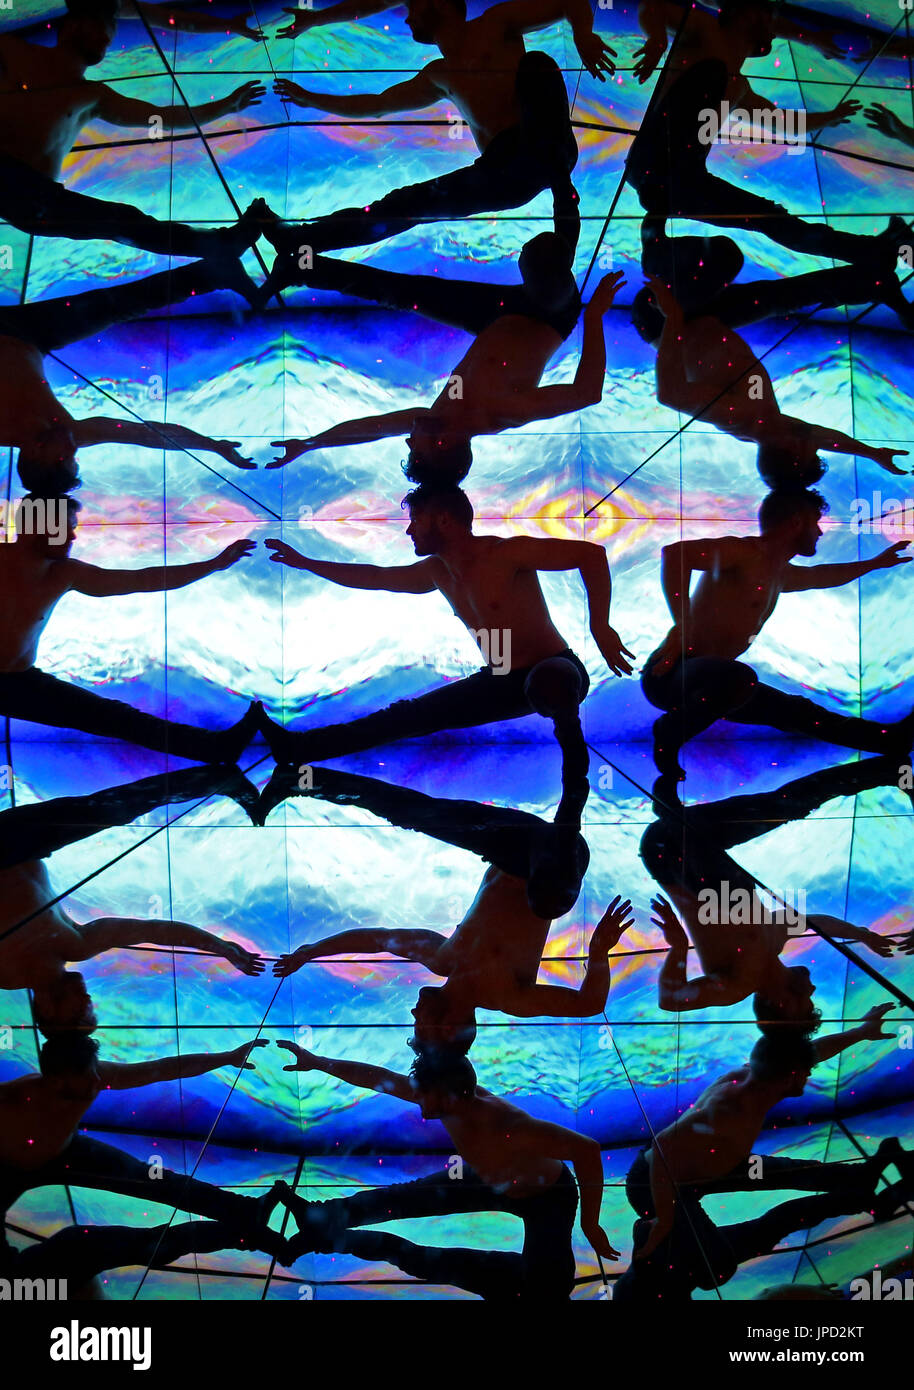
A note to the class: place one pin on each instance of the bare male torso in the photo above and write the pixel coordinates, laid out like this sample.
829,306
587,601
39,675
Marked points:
490,594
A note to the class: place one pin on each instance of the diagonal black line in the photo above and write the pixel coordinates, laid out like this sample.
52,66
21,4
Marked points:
801,321
161,429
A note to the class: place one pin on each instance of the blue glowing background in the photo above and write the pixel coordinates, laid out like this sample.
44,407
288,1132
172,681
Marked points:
301,645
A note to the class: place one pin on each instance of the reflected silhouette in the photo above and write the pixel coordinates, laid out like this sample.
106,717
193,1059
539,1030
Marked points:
45,100
492,958
493,587
694,676
740,946
514,103
707,370
31,417
38,937
667,163
709,1150
516,1164
496,384
40,1146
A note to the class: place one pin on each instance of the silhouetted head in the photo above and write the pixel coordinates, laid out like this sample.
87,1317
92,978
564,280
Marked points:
753,19
793,515
545,266
789,458
441,1079
64,1006
424,18
442,1021
88,28
437,455
784,1058
71,1060
47,460
437,515
47,523
788,1009
647,316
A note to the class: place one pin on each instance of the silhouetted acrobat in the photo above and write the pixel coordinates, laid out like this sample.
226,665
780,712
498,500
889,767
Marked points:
685,850
496,384
33,420
492,958
35,574
514,103
706,369
667,163
38,937
516,1164
45,100
41,1113
709,1150
695,675
493,588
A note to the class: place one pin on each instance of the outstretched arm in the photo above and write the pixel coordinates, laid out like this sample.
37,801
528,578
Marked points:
150,434
880,118
410,944
193,22
548,402
868,1031
590,560
394,579
369,1078
346,12
801,119
516,17
676,992
115,933
833,441
104,583
559,1001
413,95
117,1076
837,929
361,431
119,110
800,578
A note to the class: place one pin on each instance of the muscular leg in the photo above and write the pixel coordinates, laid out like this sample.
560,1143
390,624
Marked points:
556,688
53,323
478,699
35,831
741,304
517,165
36,204
547,1259
468,304
492,1274
750,1239
42,699
546,122
500,835
741,818
89,1163
695,694
668,168
795,714
79,1253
